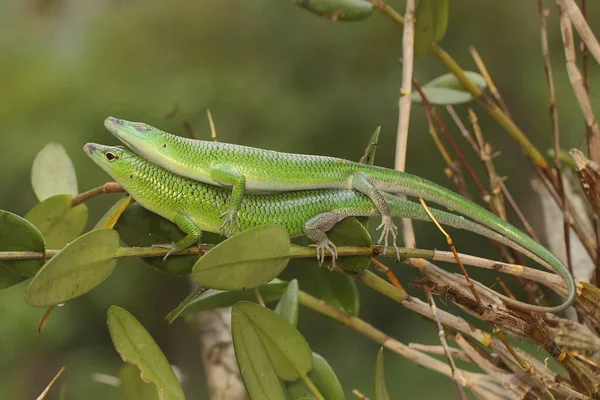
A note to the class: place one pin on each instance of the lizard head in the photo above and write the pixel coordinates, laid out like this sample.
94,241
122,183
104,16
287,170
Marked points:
138,136
116,161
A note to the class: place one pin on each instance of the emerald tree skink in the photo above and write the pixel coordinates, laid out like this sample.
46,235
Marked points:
195,206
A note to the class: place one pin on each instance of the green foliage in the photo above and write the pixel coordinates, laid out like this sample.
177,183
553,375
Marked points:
133,386
324,378
351,232
447,90
338,10
267,348
18,234
335,289
53,173
381,392
78,268
57,220
431,22
270,292
139,227
246,260
288,304
137,347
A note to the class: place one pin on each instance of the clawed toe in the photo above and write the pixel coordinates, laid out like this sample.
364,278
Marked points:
329,247
388,227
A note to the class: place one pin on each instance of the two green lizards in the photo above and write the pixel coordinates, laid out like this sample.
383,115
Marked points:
246,168
313,212
195,206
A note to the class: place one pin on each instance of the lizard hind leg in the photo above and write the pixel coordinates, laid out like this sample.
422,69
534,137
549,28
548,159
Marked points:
315,229
363,184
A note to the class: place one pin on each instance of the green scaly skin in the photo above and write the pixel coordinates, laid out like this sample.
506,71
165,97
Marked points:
195,206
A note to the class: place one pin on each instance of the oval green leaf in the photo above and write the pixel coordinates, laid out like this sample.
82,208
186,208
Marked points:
246,260
381,392
431,21
256,368
324,378
137,347
53,173
447,90
78,268
287,350
18,234
351,232
133,387
139,227
336,289
58,221
338,10
110,218
270,292
288,304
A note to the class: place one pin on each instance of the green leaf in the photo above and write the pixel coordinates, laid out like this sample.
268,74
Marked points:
110,218
139,227
336,289
431,21
52,173
446,89
350,232
338,10
136,346
256,330
246,260
324,379
288,304
78,268
216,298
133,387
381,392
18,234
58,221
256,368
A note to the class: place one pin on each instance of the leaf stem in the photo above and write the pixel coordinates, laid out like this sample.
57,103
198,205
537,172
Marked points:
312,387
108,187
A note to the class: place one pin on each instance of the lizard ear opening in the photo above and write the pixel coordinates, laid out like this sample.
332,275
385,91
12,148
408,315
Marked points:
111,156
141,128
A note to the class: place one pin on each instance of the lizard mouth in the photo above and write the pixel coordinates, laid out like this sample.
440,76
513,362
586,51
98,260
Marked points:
112,121
89,148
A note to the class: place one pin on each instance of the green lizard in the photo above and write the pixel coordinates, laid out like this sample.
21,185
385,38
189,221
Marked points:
195,206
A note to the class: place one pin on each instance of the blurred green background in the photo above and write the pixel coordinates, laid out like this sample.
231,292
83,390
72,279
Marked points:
274,76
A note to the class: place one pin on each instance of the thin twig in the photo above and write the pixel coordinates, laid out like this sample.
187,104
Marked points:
47,389
440,351
453,144
456,378
582,27
108,187
211,123
404,105
577,82
453,248
488,79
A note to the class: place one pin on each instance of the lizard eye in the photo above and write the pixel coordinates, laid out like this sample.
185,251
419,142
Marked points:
111,156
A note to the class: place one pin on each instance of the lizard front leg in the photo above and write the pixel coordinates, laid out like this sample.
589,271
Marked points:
192,237
315,229
237,182
362,183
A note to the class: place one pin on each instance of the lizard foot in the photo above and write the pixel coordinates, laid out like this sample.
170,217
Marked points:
326,245
171,248
388,227
231,219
